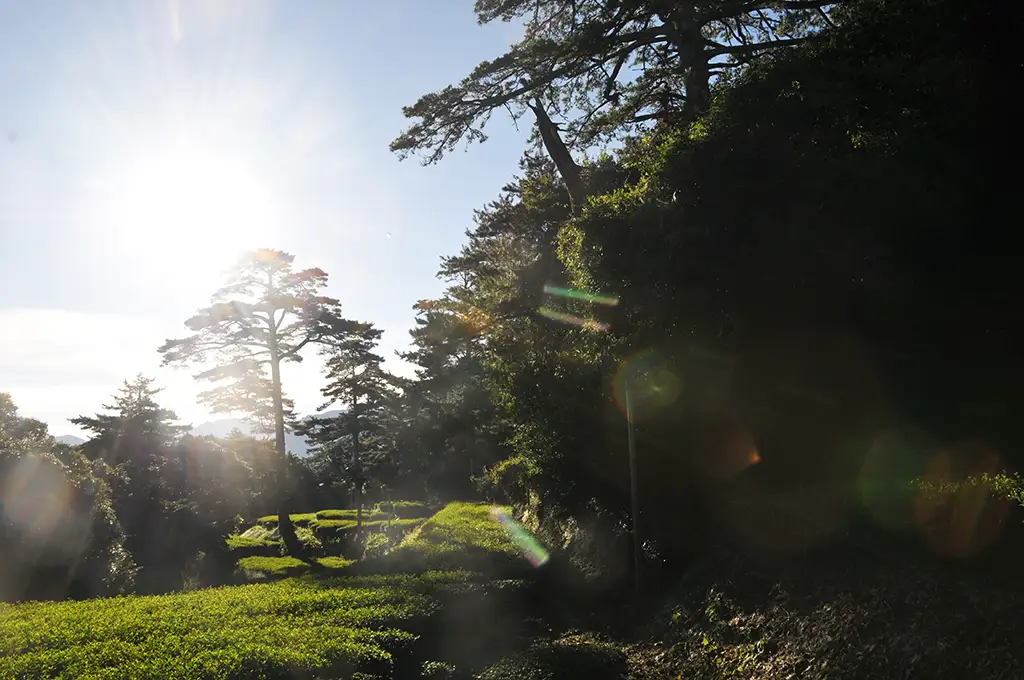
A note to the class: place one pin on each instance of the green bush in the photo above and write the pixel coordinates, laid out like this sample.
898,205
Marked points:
243,546
368,514
376,545
267,568
406,509
301,519
293,628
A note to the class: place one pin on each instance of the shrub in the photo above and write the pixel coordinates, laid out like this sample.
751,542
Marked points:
267,568
243,546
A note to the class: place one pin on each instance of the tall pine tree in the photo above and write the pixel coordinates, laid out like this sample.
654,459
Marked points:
259,320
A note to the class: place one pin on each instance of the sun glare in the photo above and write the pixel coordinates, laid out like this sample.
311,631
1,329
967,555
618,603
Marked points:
183,215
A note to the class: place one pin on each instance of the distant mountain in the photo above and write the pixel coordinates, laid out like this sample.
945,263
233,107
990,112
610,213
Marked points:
222,427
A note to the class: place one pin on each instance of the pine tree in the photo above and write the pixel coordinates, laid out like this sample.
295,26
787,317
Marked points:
259,320
357,442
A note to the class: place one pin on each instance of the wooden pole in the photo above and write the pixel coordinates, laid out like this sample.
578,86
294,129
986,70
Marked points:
634,496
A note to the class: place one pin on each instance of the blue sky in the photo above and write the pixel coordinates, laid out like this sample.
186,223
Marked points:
143,143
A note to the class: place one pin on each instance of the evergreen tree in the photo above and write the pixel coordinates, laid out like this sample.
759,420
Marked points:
358,443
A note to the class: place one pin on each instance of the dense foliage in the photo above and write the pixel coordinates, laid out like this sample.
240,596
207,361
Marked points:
59,532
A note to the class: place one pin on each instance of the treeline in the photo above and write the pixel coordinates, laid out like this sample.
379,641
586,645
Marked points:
144,506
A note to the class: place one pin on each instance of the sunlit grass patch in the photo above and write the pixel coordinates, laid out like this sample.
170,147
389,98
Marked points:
261,567
292,628
459,536
368,514
462,525
300,519
406,509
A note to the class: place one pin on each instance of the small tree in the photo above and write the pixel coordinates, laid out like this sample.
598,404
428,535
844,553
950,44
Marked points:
261,318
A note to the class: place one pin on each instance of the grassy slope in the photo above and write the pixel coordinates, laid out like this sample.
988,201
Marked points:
329,626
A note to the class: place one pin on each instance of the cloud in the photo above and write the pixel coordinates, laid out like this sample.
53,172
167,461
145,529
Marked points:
60,364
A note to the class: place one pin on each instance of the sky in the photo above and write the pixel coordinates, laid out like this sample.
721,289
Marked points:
144,144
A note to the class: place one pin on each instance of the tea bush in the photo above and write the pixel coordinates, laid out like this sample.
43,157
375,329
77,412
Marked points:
298,627
406,509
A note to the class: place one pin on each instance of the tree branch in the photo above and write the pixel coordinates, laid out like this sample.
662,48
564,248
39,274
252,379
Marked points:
726,11
756,47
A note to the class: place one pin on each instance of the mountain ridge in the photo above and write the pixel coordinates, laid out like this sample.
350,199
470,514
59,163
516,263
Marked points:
222,427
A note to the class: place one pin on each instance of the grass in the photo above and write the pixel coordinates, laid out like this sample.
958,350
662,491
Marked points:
292,628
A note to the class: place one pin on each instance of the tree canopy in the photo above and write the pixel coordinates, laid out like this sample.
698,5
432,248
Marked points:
605,68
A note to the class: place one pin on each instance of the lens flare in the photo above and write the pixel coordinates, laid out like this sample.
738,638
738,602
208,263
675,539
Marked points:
609,300
651,380
957,515
531,548
574,320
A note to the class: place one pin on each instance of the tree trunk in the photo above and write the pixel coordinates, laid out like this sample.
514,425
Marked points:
685,35
559,153
284,520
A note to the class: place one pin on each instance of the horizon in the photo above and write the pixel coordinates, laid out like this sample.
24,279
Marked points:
147,145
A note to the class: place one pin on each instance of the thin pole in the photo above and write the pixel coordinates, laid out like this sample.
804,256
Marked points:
634,497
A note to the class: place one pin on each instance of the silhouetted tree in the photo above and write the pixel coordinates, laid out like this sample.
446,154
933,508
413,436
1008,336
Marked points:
59,533
607,67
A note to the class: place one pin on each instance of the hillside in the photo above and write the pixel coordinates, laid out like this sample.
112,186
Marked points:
844,612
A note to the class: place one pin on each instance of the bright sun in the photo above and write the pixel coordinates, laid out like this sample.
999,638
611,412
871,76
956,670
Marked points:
183,216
